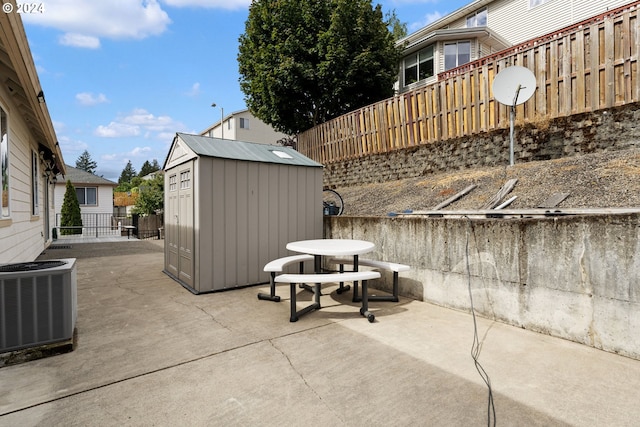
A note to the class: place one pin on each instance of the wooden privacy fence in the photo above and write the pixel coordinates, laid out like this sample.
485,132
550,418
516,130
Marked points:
586,67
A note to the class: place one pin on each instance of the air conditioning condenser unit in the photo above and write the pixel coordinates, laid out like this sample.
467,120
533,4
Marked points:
38,303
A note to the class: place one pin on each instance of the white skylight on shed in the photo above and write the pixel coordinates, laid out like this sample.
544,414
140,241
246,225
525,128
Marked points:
282,154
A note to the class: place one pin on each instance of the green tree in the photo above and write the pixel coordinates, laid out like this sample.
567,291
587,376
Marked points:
397,27
85,163
127,173
70,215
303,62
129,185
148,168
151,196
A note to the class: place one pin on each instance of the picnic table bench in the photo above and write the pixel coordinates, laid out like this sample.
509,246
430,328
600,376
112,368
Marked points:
318,280
381,265
278,266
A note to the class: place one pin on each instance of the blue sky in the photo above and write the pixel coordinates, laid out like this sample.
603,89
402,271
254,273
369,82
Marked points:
121,77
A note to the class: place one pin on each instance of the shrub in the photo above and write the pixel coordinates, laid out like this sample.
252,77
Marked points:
70,215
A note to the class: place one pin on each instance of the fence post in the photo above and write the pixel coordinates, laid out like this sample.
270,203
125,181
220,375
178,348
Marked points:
135,219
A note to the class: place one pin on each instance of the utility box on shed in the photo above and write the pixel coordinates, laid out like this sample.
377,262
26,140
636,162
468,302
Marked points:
232,206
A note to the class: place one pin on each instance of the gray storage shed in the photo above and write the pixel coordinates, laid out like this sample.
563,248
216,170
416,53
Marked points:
232,206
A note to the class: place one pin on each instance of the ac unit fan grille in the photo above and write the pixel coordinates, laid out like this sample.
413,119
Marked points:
30,266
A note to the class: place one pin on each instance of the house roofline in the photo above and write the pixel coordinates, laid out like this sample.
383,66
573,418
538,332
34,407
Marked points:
456,34
22,63
224,119
462,12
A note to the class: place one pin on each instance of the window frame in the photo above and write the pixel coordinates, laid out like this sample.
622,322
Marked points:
35,175
417,61
185,179
536,3
457,56
244,123
84,190
474,18
5,165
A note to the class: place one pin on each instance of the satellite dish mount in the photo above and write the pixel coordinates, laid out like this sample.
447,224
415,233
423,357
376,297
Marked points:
513,86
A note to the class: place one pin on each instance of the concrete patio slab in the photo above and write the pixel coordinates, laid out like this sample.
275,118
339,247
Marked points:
151,353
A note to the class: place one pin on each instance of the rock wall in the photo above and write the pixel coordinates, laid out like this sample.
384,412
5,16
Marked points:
609,129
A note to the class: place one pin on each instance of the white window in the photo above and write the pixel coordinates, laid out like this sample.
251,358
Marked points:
185,179
478,19
418,66
35,208
173,183
229,124
5,212
87,196
534,3
456,54
244,123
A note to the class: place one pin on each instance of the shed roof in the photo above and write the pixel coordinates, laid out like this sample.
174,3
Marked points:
241,150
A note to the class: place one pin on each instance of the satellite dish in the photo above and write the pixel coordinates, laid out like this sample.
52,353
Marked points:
513,86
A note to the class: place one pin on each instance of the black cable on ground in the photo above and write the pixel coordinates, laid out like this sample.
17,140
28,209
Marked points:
476,346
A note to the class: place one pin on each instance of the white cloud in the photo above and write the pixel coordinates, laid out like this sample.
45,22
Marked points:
194,91
117,130
79,40
139,151
428,19
58,126
168,136
85,24
142,118
88,99
140,122
217,4
68,145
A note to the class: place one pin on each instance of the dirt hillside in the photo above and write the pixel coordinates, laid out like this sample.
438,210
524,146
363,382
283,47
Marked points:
601,180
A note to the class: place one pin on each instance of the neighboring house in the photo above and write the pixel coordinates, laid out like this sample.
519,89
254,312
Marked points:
484,27
30,157
243,126
152,175
123,203
95,194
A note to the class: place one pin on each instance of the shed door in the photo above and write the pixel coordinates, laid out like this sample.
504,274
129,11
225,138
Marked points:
180,234
185,228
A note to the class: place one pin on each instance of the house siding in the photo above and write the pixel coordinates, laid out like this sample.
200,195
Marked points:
258,131
511,20
22,234
539,20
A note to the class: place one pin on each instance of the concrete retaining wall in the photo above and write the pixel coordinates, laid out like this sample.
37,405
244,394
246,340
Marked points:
570,277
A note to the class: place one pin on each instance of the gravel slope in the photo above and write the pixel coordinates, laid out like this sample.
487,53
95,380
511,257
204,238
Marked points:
601,180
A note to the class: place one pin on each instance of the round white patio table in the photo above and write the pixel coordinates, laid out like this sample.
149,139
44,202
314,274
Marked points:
333,247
